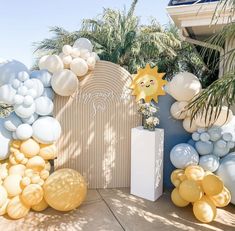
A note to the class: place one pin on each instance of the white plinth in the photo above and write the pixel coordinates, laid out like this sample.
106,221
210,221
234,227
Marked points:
147,163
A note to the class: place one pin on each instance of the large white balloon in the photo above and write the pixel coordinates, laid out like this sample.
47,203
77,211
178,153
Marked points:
43,75
44,106
9,71
184,86
53,63
24,132
46,130
83,43
5,138
24,112
12,122
209,162
178,110
183,155
227,174
64,83
79,67
7,94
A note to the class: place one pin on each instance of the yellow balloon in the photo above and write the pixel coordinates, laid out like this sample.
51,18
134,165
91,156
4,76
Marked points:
17,170
3,208
16,209
48,152
4,170
44,174
194,172
36,163
42,205
12,185
65,189
32,194
30,148
16,144
177,199
13,159
222,199
177,176
25,181
3,196
190,191
204,210
212,185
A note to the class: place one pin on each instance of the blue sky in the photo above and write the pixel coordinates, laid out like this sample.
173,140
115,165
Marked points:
24,22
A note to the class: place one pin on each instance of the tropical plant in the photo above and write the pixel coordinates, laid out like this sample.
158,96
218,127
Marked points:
222,91
5,110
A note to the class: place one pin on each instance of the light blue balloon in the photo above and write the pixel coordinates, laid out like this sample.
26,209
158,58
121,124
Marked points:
204,137
230,144
183,155
196,136
204,148
227,136
215,133
226,172
191,142
12,122
209,162
220,143
220,151
42,75
229,128
31,119
201,130
48,92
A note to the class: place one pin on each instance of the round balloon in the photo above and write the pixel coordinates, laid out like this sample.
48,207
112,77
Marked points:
177,199
83,43
79,67
209,162
5,138
183,155
212,185
37,88
194,172
12,122
30,148
189,125
12,185
204,148
42,205
222,199
43,75
23,111
44,106
32,194
7,94
24,131
178,110
53,63
65,189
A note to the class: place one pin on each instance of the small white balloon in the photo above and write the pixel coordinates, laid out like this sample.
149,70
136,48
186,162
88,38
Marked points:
22,90
24,131
67,49
28,83
196,136
38,87
83,43
18,99
24,112
42,62
79,67
44,106
23,76
85,54
91,63
189,126
53,63
75,53
28,100
32,93
7,94
16,83
12,122
31,119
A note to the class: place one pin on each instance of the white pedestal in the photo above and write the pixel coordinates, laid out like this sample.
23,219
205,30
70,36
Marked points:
147,163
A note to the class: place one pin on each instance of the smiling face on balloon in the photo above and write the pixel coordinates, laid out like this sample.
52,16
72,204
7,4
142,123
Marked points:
148,84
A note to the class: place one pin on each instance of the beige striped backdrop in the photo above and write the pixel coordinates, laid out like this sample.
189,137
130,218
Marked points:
96,127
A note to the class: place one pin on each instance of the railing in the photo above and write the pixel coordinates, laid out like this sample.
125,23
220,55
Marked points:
188,2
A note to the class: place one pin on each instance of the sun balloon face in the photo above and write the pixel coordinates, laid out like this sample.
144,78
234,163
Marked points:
148,84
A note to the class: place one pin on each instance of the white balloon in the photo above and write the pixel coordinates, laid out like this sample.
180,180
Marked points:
204,148
188,126
67,49
5,138
209,162
9,71
24,112
38,87
23,76
24,132
44,106
184,86
43,75
53,63
83,43
79,67
91,63
183,155
28,100
46,130
75,53
85,54
12,122
7,94
48,92
31,119
28,83
32,92
64,83
18,99
16,83
42,62
22,90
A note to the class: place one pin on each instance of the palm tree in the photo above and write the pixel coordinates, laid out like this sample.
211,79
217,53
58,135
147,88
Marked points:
222,91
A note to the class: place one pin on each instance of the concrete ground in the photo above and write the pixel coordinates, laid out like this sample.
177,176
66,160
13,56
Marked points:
117,210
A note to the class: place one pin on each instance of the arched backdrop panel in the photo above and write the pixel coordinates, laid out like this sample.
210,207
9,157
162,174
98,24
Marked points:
96,127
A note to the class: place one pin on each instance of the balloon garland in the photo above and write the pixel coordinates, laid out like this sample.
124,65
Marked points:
205,173
28,135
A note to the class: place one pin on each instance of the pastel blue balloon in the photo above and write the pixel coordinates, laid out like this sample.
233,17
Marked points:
12,122
220,151
183,155
201,130
204,148
230,144
191,142
196,136
23,76
42,75
220,143
209,162
48,92
227,136
31,119
204,137
5,138
229,128
215,133
226,172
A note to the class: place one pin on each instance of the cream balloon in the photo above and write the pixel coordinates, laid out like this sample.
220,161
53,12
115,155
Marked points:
64,82
36,163
188,126
12,185
53,63
3,196
17,170
79,67
178,110
48,152
67,49
30,148
32,194
42,62
42,205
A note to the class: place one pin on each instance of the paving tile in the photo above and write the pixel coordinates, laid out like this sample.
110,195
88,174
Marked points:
136,214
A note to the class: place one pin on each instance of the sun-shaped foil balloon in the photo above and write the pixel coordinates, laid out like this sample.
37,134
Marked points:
148,84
